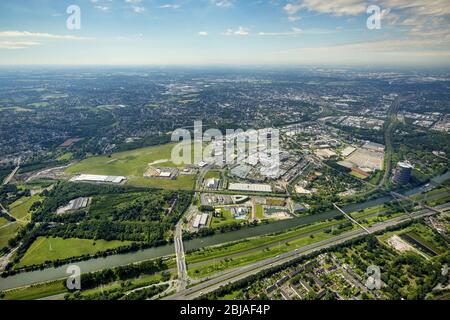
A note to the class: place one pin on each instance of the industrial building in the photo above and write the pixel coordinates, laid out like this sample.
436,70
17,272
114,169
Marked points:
402,174
98,178
212,183
250,187
200,221
76,204
161,173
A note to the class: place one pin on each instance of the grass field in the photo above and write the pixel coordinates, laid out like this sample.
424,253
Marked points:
259,212
65,157
227,218
7,233
133,165
3,222
37,291
212,174
50,249
21,208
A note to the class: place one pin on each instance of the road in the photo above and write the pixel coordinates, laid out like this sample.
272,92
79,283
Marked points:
245,271
183,278
11,175
181,259
7,257
390,127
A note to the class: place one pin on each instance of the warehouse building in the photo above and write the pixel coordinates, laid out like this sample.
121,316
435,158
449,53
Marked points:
250,187
73,205
200,221
98,178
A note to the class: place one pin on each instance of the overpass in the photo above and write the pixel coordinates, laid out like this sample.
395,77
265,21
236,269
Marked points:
351,219
420,203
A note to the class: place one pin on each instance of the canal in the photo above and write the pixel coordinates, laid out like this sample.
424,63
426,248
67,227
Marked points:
49,274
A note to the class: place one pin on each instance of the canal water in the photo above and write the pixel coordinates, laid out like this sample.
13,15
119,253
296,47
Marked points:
49,274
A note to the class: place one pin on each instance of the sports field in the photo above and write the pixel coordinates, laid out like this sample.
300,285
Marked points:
50,249
133,164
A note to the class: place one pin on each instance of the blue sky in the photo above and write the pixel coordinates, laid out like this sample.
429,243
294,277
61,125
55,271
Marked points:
136,32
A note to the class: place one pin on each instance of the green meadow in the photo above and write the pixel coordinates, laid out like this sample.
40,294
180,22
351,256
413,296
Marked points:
21,208
3,222
50,249
133,165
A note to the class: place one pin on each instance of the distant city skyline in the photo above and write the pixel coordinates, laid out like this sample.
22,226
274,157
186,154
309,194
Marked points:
221,32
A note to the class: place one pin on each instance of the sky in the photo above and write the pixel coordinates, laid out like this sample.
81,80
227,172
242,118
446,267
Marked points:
222,32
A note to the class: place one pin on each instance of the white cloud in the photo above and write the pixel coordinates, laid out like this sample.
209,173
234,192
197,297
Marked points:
203,33
420,7
138,9
17,44
377,52
133,1
292,8
336,7
28,34
102,8
223,3
293,32
169,6
239,32
294,18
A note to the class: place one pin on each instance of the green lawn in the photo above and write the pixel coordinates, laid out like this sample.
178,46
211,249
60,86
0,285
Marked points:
226,218
21,208
50,249
212,174
259,212
133,164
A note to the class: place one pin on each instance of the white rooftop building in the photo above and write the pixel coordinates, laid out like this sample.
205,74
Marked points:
98,178
250,187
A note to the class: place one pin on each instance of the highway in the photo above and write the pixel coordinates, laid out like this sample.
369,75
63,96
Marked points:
245,271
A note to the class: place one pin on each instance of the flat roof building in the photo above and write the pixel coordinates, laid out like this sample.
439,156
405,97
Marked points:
98,178
200,221
204,219
250,187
